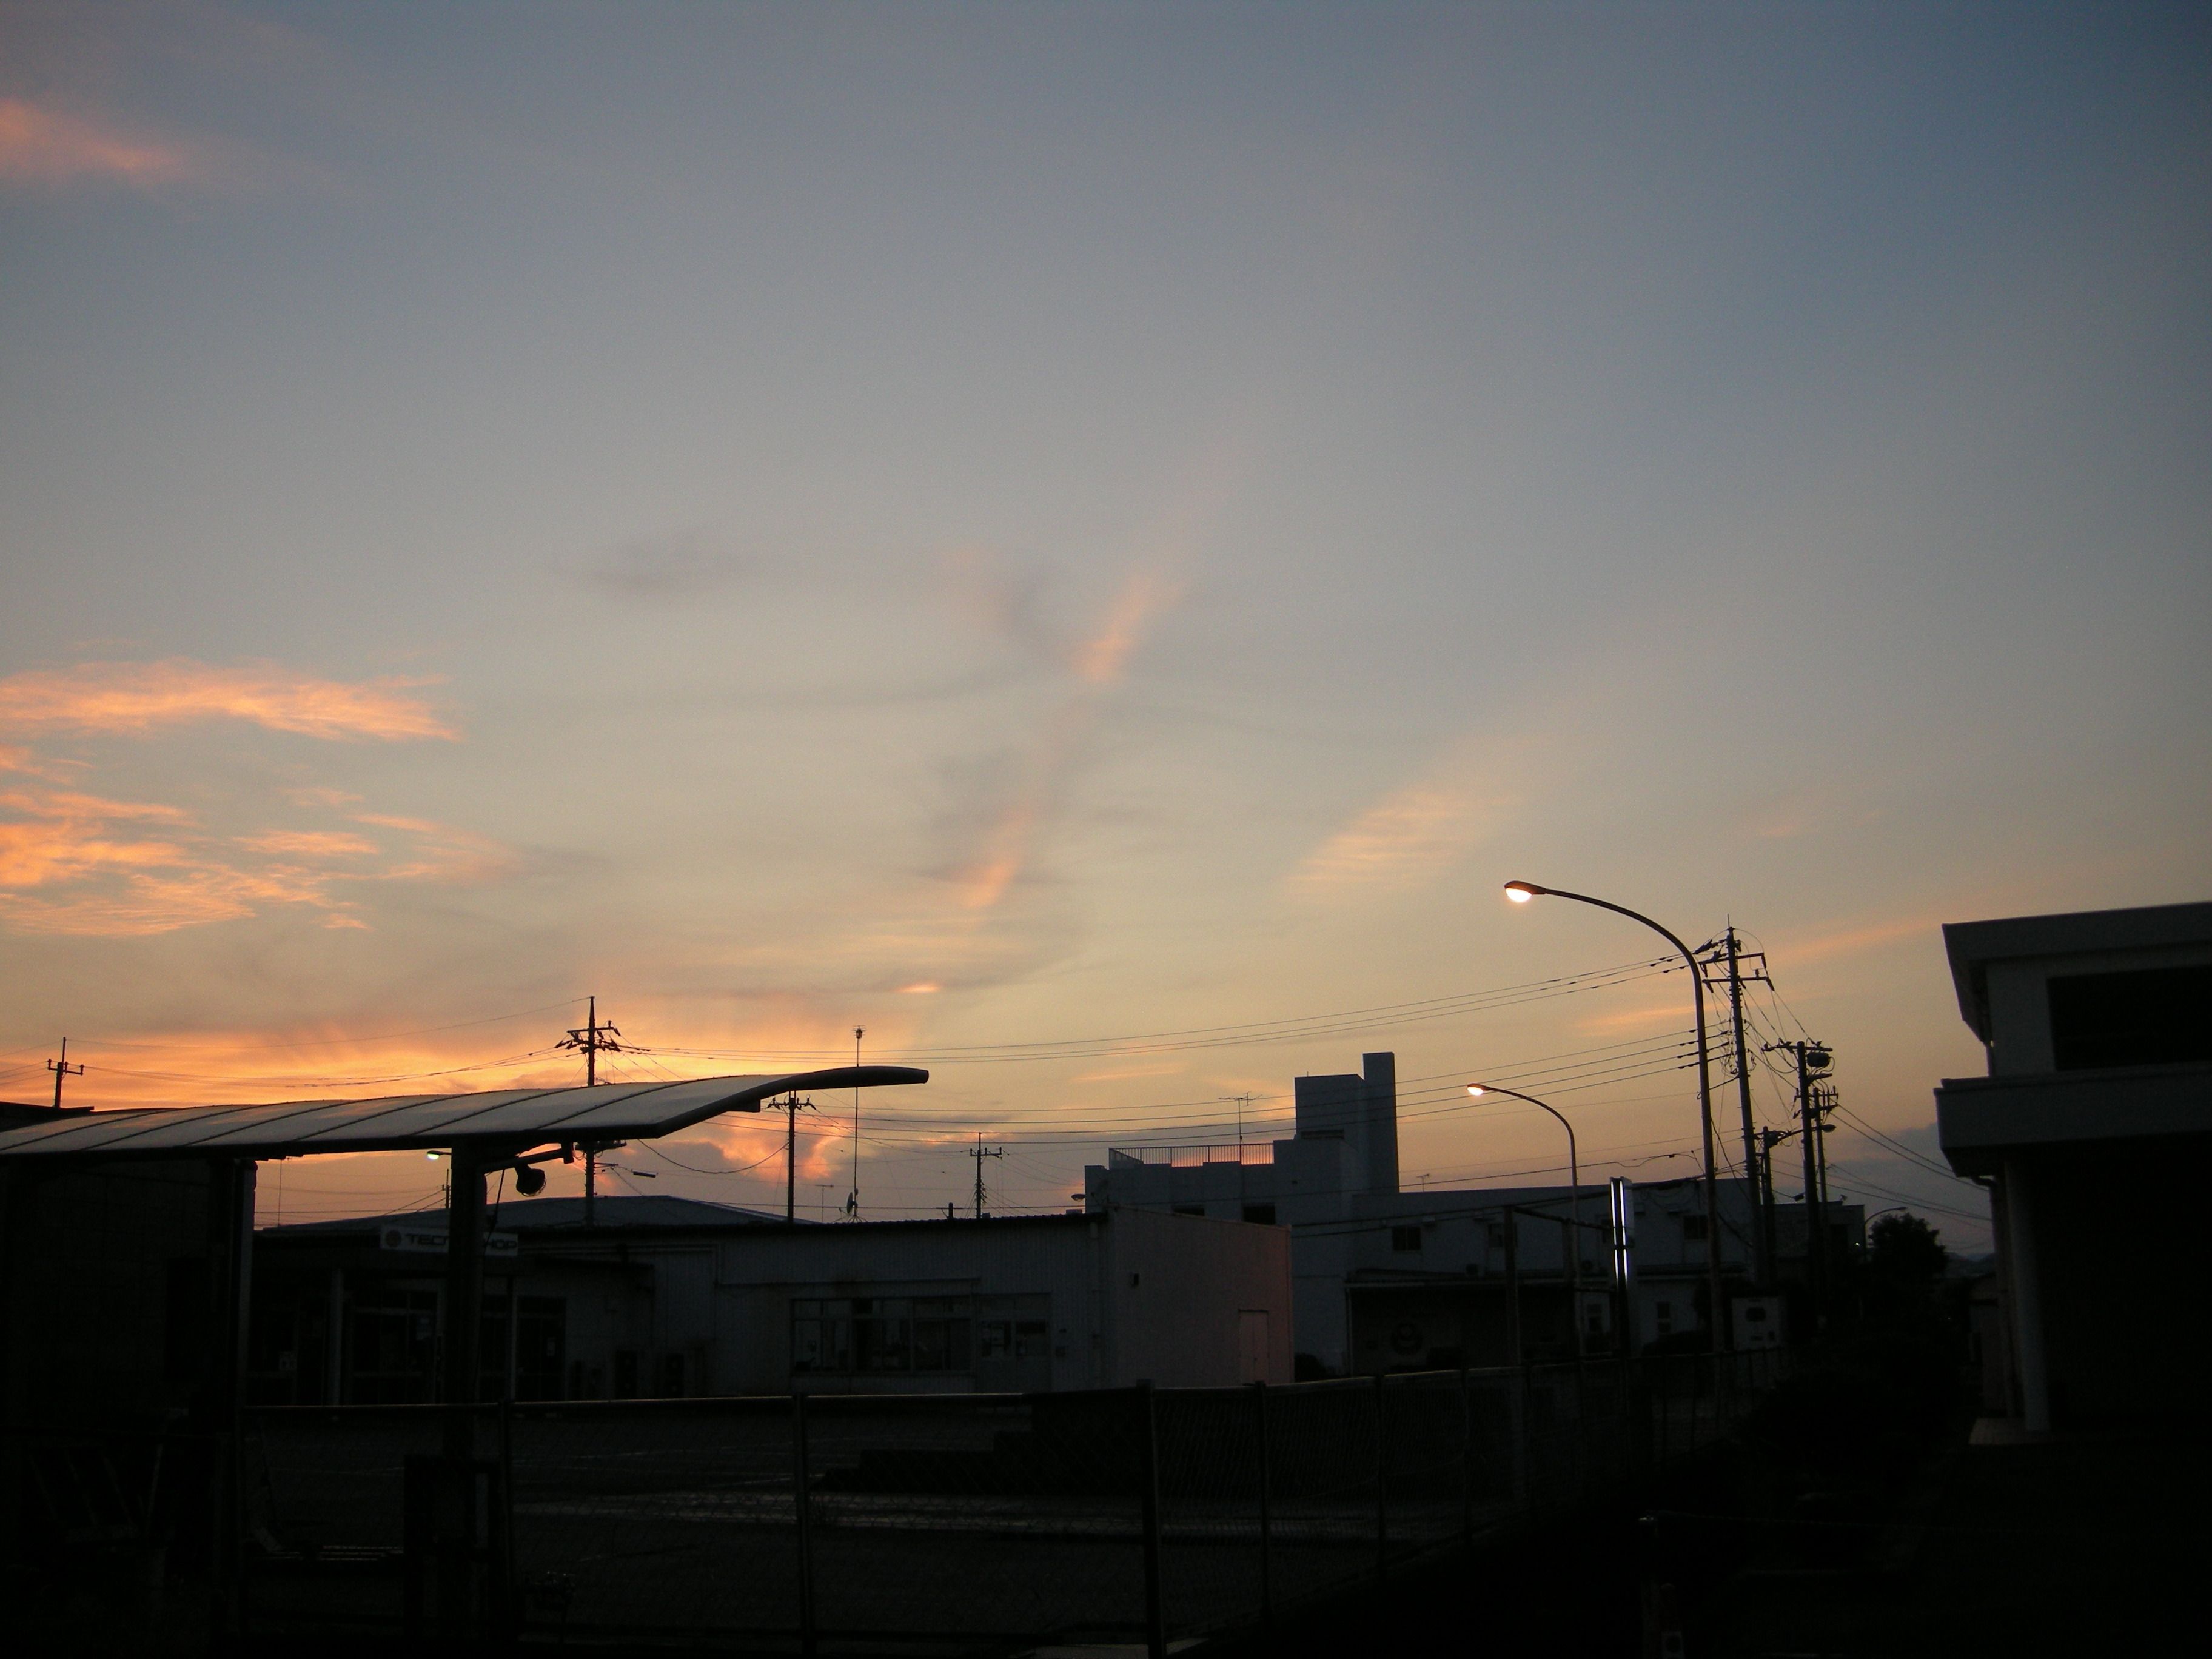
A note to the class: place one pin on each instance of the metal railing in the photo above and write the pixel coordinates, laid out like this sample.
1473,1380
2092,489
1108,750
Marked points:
823,1520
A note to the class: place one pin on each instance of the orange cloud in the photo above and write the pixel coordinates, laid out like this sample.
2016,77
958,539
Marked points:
44,146
984,882
1421,827
134,698
441,852
69,804
16,758
1102,659
39,854
1098,662
65,868
66,838
310,843
1871,936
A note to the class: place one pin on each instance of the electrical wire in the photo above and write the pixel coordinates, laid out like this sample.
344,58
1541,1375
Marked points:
1257,1031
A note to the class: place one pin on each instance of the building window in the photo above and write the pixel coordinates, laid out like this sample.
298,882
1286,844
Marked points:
1405,1238
941,1327
873,1334
540,1346
1694,1229
394,1342
1260,1215
1014,1338
2146,1016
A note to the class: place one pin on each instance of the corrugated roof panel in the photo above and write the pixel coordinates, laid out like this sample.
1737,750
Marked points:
507,1117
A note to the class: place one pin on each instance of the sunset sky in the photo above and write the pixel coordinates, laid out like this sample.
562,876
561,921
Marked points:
1027,529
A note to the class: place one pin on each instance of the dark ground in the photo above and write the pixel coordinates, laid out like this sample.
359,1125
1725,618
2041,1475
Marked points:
2085,1545
2090,1543
1856,1515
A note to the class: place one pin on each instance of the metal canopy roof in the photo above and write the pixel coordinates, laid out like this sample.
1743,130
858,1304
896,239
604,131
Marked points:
503,1118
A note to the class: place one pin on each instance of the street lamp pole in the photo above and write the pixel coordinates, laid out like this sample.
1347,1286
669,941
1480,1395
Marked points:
1521,892
1575,1180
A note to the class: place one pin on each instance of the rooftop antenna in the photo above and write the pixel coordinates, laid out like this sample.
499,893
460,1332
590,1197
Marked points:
853,1198
1242,1101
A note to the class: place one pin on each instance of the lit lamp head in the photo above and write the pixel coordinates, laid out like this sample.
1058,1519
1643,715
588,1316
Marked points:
1476,1088
1521,891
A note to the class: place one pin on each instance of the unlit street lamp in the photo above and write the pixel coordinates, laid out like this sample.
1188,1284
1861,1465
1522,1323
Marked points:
1521,892
1575,1180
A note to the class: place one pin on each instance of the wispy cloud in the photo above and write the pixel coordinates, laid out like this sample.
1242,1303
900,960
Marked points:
74,863
310,844
132,699
47,146
999,595
1857,937
67,837
441,853
1412,832
681,564
1103,658
13,757
1003,847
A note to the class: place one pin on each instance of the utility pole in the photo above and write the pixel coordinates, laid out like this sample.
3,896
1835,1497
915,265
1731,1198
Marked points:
977,1153
592,1038
791,1105
1763,1266
61,1068
1768,1139
1822,1100
1813,1060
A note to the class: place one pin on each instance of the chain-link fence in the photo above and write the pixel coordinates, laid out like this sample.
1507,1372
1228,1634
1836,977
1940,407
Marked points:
944,1520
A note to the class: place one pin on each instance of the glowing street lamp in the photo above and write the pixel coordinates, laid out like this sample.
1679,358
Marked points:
1521,892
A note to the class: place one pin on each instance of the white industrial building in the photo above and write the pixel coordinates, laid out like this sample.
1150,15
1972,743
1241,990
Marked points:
1388,1279
670,1296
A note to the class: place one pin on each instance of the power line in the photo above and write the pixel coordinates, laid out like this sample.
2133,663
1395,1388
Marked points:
342,1042
295,1080
1258,1031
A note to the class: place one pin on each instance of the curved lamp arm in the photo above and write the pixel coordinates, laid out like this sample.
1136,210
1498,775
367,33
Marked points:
1521,892
1574,1161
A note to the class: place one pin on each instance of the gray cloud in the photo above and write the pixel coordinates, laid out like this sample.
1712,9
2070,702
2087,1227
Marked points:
682,564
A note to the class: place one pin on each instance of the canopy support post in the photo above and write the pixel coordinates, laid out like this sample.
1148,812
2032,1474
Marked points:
230,1281
464,1334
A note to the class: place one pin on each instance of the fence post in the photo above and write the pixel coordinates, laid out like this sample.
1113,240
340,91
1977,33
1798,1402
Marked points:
1148,1441
510,1595
803,1506
1266,1516
1466,1458
1382,1482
